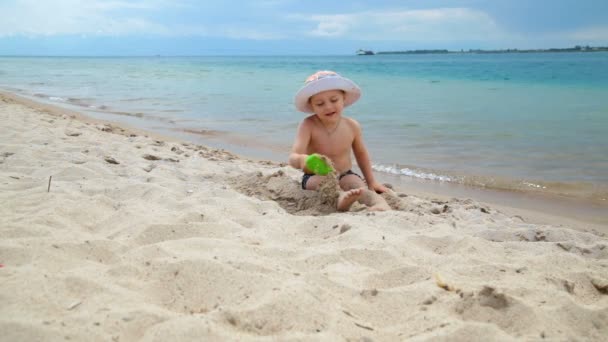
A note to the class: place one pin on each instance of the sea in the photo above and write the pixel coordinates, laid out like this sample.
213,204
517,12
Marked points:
514,122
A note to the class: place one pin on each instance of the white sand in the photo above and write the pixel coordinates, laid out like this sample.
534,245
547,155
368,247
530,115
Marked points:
203,245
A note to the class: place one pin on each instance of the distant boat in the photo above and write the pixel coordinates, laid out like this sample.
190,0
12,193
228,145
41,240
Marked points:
362,52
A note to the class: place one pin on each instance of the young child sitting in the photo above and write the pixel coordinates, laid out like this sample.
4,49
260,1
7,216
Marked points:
328,133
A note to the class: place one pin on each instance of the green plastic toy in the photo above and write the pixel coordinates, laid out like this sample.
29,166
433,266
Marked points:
316,164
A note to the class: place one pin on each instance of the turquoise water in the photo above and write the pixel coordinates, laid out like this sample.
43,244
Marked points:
532,122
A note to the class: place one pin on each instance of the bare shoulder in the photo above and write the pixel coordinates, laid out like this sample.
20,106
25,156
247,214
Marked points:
353,124
307,124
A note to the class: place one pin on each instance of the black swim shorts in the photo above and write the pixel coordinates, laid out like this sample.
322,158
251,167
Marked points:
306,176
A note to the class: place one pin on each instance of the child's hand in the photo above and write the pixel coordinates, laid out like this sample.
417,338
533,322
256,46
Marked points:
377,187
319,164
326,160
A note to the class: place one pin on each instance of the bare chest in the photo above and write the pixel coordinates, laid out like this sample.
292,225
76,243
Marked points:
333,145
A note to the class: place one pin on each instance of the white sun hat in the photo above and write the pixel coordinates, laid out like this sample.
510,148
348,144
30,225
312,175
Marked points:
322,81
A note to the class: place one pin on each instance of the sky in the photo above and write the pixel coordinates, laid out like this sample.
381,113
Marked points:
289,27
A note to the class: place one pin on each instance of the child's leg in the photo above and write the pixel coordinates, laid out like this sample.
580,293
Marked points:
368,197
345,198
374,201
351,181
313,182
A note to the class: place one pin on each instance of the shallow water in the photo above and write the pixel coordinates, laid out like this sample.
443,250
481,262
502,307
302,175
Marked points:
524,122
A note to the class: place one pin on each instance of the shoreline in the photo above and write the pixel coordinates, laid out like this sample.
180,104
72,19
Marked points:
111,233
459,149
590,191
536,208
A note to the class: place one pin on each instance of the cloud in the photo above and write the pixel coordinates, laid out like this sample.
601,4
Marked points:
121,18
65,17
337,25
262,22
272,3
271,20
410,25
246,33
597,34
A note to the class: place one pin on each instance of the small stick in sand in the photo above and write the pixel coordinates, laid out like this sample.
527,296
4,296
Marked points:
441,283
49,188
74,305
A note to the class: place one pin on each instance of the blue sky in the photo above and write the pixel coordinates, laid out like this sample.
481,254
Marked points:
314,27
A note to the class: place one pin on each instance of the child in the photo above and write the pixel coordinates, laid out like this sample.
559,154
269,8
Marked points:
325,94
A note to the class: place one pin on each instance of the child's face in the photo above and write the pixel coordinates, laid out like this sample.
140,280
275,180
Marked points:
328,104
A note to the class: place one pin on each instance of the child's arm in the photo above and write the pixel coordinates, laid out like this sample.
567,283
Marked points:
364,162
297,158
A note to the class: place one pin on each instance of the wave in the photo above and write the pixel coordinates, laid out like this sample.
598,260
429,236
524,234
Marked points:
411,173
137,99
202,132
581,190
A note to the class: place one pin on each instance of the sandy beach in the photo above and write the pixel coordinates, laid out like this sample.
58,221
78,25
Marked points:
112,234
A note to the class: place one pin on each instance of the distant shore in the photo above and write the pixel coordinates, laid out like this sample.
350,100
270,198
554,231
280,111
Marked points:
577,48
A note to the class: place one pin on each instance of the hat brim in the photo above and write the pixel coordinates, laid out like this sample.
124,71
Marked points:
351,91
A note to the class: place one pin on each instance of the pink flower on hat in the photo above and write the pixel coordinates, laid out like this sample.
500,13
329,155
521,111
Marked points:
320,74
